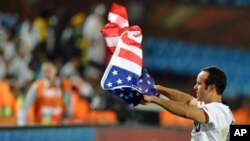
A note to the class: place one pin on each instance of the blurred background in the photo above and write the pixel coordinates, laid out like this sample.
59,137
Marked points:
180,37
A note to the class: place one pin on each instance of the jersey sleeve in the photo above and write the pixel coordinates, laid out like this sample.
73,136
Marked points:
218,114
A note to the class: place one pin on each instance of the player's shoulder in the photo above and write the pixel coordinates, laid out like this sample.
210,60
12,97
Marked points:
221,110
217,106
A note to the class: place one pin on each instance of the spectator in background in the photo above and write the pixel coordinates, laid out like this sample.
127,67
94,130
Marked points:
91,31
19,67
10,100
70,70
3,65
28,36
9,45
40,52
81,90
72,40
211,117
7,100
50,96
96,53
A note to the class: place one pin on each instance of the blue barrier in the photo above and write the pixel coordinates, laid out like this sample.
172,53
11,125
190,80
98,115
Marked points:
93,133
62,133
189,58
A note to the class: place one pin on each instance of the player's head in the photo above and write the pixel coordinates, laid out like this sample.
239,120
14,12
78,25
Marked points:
210,81
216,77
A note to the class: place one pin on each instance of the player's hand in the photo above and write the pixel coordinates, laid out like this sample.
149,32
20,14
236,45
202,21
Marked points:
147,99
158,87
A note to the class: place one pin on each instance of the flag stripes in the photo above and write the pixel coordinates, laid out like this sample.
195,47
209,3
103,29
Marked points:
126,54
125,75
126,64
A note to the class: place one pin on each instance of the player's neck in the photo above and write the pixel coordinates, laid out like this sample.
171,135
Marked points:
216,98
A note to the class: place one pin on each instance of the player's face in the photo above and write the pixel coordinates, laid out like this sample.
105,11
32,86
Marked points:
200,87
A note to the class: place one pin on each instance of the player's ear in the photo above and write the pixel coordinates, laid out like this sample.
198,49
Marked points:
211,87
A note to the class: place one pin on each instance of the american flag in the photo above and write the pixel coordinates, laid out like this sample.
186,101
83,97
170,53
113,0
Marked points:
125,75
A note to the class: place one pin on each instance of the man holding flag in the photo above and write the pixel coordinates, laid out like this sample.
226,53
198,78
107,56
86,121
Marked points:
126,78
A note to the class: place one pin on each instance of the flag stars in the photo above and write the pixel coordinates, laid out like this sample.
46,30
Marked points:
119,81
115,72
129,78
140,89
149,82
109,84
140,81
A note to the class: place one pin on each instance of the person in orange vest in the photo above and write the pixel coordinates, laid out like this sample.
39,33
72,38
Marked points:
10,101
7,100
50,97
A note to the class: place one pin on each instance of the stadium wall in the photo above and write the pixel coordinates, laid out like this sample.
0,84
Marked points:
91,133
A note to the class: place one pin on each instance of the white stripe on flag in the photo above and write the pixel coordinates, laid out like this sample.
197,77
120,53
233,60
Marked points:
135,35
114,18
134,49
112,41
126,64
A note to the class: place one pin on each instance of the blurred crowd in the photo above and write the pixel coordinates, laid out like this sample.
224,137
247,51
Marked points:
50,74
49,79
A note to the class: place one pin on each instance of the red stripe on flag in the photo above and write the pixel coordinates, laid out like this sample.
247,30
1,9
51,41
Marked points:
111,30
129,41
119,10
126,54
111,49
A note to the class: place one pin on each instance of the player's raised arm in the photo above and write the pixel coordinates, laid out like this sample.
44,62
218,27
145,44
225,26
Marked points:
176,95
179,108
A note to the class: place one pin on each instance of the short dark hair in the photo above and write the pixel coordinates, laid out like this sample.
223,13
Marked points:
216,77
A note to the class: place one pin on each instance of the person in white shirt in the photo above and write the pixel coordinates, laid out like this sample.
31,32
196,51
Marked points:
212,119
91,32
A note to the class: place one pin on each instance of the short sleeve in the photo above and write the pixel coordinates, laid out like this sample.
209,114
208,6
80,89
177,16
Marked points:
218,114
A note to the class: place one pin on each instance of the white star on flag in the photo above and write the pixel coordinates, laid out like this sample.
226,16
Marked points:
109,84
129,78
114,72
119,81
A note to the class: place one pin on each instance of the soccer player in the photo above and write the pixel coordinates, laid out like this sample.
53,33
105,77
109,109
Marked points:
211,117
